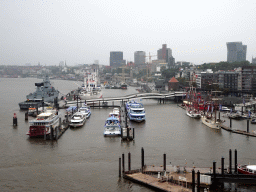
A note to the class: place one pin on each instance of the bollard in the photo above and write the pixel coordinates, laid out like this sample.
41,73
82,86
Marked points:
247,125
119,166
193,180
235,161
129,161
26,116
214,171
222,166
128,133
230,124
198,181
123,163
142,159
230,161
164,162
14,120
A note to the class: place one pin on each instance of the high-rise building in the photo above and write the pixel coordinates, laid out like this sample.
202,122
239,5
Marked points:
139,57
236,52
166,54
116,59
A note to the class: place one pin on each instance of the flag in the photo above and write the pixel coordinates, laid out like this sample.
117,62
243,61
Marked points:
231,110
212,108
208,108
220,107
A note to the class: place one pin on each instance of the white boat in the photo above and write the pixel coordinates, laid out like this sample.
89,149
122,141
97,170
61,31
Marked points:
247,169
223,108
136,112
86,110
193,114
112,127
211,122
42,124
77,120
115,113
112,130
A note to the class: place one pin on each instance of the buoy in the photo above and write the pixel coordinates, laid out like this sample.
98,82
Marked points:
15,120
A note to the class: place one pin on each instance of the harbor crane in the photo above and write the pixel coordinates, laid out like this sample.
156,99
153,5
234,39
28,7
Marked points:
149,61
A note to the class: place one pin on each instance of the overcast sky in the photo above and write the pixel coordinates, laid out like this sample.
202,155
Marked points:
81,31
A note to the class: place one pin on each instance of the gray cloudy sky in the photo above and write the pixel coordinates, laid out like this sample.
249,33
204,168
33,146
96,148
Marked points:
81,31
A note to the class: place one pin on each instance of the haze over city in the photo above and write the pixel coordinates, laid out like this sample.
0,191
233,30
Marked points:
83,31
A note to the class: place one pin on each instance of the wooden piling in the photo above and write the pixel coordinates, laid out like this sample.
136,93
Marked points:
26,116
142,159
230,124
123,163
129,161
214,171
133,132
248,125
120,167
193,180
235,161
230,161
164,158
222,166
198,181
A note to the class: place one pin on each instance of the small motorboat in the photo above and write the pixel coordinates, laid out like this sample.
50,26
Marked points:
247,169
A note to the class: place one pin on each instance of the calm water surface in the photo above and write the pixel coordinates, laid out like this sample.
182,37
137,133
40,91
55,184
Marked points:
83,160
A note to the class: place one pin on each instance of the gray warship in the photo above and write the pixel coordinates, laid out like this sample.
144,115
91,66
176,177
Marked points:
45,92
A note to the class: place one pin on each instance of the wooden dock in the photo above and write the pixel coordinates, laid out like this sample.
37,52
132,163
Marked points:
238,131
154,183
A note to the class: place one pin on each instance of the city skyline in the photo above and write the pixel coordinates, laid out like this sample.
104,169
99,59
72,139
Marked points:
83,31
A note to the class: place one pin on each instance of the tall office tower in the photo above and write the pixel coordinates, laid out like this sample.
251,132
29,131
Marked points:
116,59
166,54
236,52
139,57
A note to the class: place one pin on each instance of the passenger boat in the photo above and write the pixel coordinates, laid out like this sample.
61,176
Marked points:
77,120
112,127
247,169
115,113
86,110
253,121
42,124
136,112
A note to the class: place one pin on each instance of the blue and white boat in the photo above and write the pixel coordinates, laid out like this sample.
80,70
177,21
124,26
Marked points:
112,127
86,110
136,112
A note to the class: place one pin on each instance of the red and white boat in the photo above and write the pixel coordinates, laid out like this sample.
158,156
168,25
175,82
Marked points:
247,169
42,124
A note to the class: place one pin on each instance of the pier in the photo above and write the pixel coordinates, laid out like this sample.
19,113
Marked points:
176,178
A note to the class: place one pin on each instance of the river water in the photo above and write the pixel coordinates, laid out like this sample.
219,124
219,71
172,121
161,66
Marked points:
83,160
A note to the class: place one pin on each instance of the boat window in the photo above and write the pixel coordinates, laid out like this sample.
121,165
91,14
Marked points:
250,170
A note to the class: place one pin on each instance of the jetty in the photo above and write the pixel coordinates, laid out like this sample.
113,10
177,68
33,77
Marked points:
176,178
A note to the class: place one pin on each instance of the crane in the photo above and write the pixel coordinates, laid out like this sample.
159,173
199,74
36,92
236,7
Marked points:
149,60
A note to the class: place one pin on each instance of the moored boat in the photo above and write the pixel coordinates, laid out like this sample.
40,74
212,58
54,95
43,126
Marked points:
86,110
211,122
112,127
77,120
45,92
43,123
136,112
193,114
247,169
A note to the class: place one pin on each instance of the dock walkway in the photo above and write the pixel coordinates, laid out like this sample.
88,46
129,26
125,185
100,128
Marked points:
155,183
